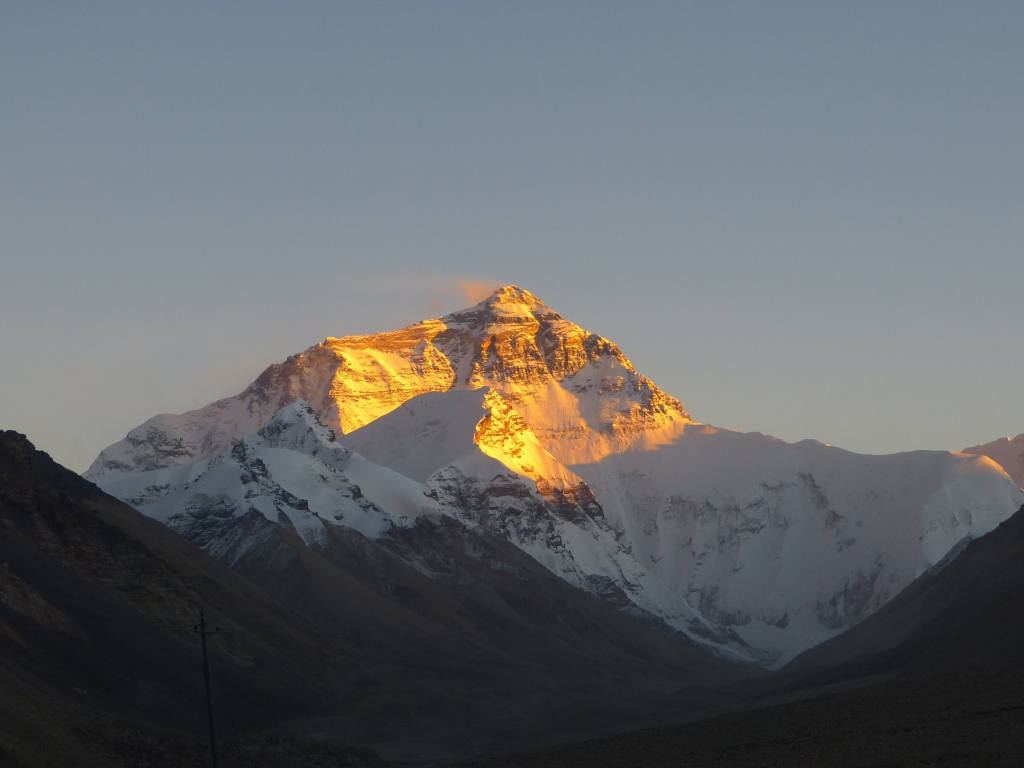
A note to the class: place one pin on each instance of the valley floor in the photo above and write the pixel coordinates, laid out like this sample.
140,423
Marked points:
37,731
972,717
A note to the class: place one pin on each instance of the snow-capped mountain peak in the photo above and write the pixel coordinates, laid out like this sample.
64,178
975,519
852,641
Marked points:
581,396
507,417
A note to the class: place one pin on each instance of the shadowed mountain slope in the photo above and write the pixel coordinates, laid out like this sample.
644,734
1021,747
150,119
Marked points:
937,677
970,612
454,643
97,606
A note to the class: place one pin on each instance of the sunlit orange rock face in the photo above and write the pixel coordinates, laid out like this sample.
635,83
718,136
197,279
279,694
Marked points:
578,392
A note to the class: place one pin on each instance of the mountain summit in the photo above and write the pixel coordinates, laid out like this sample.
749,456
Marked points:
579,393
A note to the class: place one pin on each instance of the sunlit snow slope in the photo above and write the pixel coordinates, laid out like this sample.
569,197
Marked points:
507,417
1008,453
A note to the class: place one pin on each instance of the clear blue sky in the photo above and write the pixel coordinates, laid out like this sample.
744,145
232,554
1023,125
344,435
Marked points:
805,219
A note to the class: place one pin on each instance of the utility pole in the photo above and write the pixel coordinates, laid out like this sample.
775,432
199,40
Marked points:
203,630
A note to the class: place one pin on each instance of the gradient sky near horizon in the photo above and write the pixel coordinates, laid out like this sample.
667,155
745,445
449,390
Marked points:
800,218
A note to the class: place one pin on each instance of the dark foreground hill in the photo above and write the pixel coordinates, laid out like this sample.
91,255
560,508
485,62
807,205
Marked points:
479,649
936,677
98,664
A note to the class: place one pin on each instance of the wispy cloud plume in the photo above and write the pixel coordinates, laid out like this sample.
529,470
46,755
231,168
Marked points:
474,292
405,296
450,293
